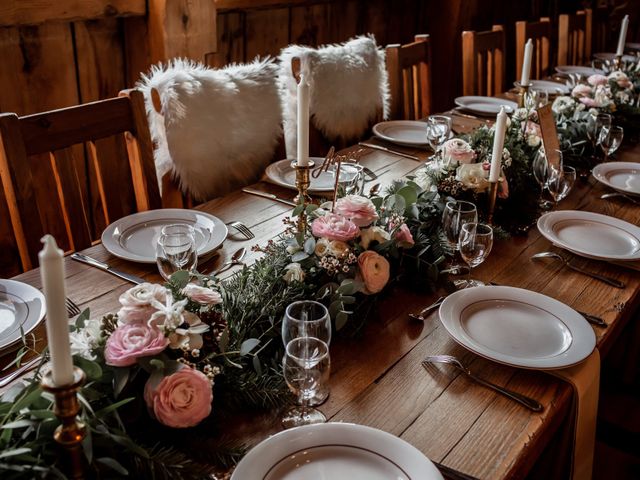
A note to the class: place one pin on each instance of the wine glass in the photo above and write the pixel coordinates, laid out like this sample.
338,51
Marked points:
350,179
306,366
595,124
307,318
176,250
535,99
438,130
540,168
456,214
561,180
476,240
610,139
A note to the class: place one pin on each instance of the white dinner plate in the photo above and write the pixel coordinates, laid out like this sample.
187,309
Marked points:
621,176
633,45
134,237
610,56
282,173
22,307
552,88
591,235
335,451
485,105
403,132
517,327
578,70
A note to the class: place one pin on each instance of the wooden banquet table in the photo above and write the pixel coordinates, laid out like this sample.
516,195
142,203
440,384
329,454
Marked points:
377,378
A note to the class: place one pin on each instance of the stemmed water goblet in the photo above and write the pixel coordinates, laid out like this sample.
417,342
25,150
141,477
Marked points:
561,180
307,318
595,124
306,366
438,130
534,99
176,250
476,240
456,214
610,139
540,169
350,178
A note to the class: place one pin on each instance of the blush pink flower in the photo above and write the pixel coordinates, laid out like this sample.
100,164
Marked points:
180,400
203,295
335,227
132,341
457,150
404,237
374,270
597,79
136,302
589,102
360,210
581,91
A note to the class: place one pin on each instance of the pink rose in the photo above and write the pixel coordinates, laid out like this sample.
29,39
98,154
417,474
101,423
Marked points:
206,296
533,128
136,302
180,400
374,270
404,237
621,79
360,210
589,102
597,80
131,341
581,91
459,151
335,227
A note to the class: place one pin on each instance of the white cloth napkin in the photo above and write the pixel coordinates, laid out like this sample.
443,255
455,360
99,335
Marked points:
585,380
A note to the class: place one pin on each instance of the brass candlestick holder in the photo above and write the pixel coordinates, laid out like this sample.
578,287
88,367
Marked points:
617,62
493,194
523,91
303,180
71,432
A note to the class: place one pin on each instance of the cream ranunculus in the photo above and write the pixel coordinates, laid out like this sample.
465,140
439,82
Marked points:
473,177
322,247
137,302
293,273
338,249
368,235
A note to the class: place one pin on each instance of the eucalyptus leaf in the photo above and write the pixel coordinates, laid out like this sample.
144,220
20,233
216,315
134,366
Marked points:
310,245
92,369
180,279
14,452
157,363
82,318
257,366
409,194
120,379
312,207
297,210
347,287
18,424
113,464
299,256
224,340
341,320
248,345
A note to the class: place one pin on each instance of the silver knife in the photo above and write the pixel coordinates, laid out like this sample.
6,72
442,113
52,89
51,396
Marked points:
270,196
388,150
103,266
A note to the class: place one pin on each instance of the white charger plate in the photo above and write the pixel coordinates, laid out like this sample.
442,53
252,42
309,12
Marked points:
335,451
403,132
610,56
22,307
591,235
633,45
517,327
283,174
578,70
485,105
621,176
552,88
134,237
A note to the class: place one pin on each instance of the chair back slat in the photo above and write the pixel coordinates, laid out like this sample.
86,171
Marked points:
540,34
600,28
10,264
483,62
572,39
409,70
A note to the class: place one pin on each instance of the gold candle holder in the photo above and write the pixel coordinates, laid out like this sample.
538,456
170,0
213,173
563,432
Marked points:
493,194
523,91
617,62
303,180
71,432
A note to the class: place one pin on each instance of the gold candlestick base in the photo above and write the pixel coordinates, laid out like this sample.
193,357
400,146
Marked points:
71,432
523,91
493,194
303,180
617,62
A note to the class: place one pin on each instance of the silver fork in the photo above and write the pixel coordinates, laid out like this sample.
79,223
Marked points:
242,228
72,308
527,402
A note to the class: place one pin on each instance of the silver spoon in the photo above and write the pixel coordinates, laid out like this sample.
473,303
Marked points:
609,281
528,402
606,196
236,259
422,314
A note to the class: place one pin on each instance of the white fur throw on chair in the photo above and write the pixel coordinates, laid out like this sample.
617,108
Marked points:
218,129
349,89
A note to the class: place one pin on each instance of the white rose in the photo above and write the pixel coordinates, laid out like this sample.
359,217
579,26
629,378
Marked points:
473,177
136,302
203,295
521,114
533,140
85,340
368,235
322,247
293,273
338,248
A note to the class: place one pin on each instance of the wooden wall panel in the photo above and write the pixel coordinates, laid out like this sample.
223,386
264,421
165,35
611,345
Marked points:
266,32
231,43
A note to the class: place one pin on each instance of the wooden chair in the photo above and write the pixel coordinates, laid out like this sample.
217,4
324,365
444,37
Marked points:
483,62
573,48
47,182
540,34
409,69
598,29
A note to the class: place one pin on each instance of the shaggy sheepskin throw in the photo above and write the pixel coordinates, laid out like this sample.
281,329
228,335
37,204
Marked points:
217,129
349,89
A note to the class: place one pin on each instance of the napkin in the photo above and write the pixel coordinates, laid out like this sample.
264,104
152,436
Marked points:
585,380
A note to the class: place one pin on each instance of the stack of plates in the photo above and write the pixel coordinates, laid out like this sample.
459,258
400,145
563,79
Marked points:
283,174
621,176
488,106
22,308
336,451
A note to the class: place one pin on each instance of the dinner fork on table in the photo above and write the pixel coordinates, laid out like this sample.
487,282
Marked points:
242,228
72,307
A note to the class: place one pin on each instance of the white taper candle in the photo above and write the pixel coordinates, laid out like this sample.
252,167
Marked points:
526,64
52,274
498,144
623,35
303,122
